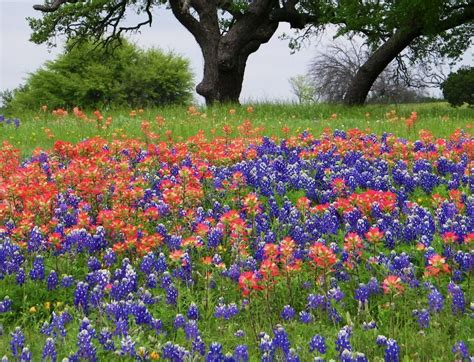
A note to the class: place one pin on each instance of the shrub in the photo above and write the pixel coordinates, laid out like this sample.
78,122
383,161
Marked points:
92,77
458,88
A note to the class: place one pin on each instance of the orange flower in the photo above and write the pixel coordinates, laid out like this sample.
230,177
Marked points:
303,203
374,235
271,251
449,237
251,204
268,269
248,281
437,264
176,255
391,284
353,242
469,238
322,256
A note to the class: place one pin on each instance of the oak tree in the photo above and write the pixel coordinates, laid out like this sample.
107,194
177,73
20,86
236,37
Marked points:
403,30
227,31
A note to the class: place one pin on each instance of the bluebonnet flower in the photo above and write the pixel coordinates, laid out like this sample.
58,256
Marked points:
436,301
81,296
173,352
458,304
288,313
305,317
156,325
292,356
67,281
141,313
26,355
85,347
369,325
381,340
392,351
423,317
241,353
191,330
281,340
52,280
128,346
105,339
193,312
17,342
343,340
316,301
5,304
266,347
215,353
336,294
46,329
460,349
362,294
148,263
93,264
171,295
20,276
317,343
110,258
121,327
49,350
37,272
179,321
199,346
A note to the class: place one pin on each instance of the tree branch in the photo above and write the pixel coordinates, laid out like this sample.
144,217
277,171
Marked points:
49,8
289,13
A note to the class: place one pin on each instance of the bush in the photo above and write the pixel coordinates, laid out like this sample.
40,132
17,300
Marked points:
91,77
459,87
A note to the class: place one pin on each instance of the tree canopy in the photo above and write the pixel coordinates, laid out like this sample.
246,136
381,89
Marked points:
90,77
228,32
408,31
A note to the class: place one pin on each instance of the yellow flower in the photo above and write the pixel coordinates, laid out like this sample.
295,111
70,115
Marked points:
33,309
47,305
154,355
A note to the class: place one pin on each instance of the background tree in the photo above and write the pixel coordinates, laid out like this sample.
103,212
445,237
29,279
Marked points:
405,30
88,77
333,69
302,88
227,31
459,87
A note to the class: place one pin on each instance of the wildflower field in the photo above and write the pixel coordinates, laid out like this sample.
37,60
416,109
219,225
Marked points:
242,234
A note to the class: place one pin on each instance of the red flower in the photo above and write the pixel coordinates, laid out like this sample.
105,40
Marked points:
249,281
391,284
374,235
437,264
322,256
449,237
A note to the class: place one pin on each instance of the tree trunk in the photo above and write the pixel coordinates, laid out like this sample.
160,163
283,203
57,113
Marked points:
221,83
367,74
226,52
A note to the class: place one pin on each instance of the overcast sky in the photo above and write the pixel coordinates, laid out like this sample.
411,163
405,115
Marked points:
266,77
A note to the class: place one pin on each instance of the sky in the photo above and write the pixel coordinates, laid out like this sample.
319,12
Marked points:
266,77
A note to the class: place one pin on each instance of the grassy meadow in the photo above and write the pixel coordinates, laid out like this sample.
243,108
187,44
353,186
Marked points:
40,129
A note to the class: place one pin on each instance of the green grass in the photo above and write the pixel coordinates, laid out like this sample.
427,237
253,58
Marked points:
439,118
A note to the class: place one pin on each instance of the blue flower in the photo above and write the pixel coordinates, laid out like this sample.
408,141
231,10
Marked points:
317,343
